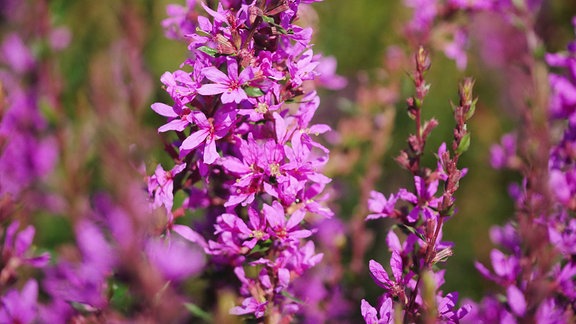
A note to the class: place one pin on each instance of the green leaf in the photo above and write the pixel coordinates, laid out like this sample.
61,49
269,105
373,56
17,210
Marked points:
208,50
120,298
409,229
253,92
290,296
198,312
472,110
464,144
269,20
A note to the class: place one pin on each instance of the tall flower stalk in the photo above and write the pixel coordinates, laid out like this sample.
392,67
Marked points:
534,265
245,152
413,293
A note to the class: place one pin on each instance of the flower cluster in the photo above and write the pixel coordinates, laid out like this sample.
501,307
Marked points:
421,213
543,235
434,21
245,151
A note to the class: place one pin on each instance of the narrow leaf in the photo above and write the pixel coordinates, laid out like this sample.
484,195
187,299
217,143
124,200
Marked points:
198,312
464,144
253,92
208,50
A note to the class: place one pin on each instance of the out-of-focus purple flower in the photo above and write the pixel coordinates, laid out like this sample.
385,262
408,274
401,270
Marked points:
516,300
424,13
20,307
507,237
562,234
456,49
506,268
180,21
174,258
84,282
15,53
327,76
60,38
16,251
504,155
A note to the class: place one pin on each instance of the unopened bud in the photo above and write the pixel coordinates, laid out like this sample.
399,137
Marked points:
423,61
465,92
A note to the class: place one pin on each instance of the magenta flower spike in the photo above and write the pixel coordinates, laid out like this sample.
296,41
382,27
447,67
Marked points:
243,119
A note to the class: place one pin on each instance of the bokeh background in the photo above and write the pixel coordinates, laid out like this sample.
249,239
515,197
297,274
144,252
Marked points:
109,75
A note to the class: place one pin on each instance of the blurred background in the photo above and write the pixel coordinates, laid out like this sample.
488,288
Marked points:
105,80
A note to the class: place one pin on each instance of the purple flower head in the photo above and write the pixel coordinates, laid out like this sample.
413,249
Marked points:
229,85
516,300
504,155
456,49
424,200
327,76
282,228
506,236
563,186
161,186
423,16
16,248
381,207
384,316
179,22
506,268
250,306
448,311
562,234
84,282
174,258
489,311
182,86
564,279
20,307
549,312
394,287
15,54
209,130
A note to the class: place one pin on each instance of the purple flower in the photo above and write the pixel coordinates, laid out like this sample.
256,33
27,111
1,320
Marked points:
394,288
506,268
504,155
327,76
161,186
280,227
250,306
456,49
20,307
209,130
174,258
424,200
230,85
178,23
15,53
516,300
84,282
380,206
16,249
448,311
384,316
